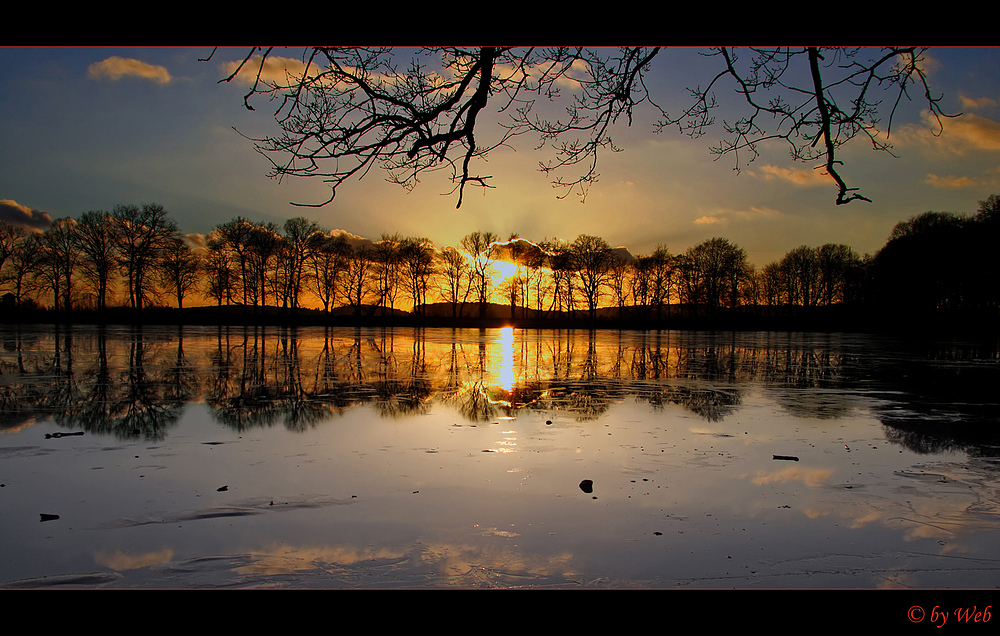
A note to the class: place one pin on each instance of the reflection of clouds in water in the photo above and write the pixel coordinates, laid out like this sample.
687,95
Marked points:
495,532
460,563
480,562
896,581
814,512
859,518
938,519
285,559
120,561
812,477
16,425
948,503
672,427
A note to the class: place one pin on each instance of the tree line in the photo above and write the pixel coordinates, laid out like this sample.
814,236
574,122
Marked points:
136,257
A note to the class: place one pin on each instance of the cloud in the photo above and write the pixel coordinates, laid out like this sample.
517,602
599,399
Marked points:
972,103
276,69
755,213
504,71
723,218
975,132
114,68
949,181
352,239
710,220
23,216
578,71
959,135
798,176
197,241
527,251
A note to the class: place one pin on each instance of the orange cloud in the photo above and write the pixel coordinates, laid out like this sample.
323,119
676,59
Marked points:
758,213
973,102
975,132
725,217
276,70
798,176
352,239
949,181
577,72
959,135
114,68
709,220
288,71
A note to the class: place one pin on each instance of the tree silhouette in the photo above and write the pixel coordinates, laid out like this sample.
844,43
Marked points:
328,262
417,256
480,246
22,261
10,236
141,235
296,253
60,255
180,268
802,106
592,258
801,271
940,261
455,282
344,110
388,264
712,272
264,248
360,267
232,240
97,244
219,267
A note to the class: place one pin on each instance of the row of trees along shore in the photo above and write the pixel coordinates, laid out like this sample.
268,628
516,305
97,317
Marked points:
135,257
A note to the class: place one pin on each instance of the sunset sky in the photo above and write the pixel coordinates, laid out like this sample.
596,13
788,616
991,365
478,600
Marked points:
88,128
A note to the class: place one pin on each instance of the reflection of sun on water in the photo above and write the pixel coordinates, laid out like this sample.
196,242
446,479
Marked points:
508,442
507,358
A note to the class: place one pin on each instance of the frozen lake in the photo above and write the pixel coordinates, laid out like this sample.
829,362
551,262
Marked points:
400,458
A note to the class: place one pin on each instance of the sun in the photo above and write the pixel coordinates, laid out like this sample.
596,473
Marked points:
504,270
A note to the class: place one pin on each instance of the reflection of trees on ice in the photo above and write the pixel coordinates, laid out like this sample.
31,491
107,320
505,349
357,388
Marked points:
136,383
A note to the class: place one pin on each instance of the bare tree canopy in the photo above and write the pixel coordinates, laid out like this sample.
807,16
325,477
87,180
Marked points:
344,110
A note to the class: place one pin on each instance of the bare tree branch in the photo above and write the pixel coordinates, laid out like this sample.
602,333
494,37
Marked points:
345,110
805,107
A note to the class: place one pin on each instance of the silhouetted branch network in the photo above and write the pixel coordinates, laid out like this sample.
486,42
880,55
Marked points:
344,110
805,108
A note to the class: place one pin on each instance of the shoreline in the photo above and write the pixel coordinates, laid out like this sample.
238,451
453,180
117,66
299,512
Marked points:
820,319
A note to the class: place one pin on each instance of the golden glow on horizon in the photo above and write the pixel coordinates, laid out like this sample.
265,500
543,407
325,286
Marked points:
503,271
